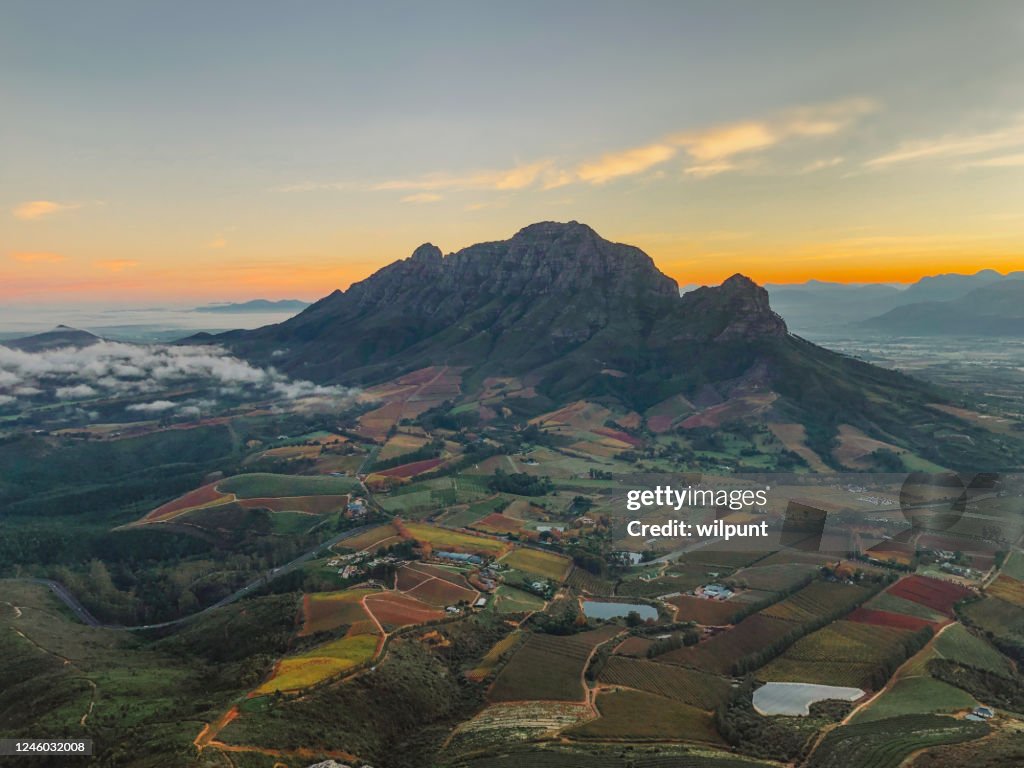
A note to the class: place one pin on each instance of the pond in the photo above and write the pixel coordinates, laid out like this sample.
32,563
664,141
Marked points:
796,698
597,609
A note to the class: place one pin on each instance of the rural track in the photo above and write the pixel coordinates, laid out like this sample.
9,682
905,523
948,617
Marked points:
82,613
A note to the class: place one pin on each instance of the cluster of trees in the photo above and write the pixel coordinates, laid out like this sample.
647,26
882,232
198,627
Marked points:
429,451
520,483
673,643
756,735
1003,691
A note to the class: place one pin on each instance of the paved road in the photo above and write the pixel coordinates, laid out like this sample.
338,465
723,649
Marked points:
83,615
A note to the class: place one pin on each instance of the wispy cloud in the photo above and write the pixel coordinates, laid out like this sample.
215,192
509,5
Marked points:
423,197
625,163
711,151
820,165
37,257
37,209
218,242
519,177
116,265
953,145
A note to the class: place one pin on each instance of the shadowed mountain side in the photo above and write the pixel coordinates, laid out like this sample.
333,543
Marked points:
578,317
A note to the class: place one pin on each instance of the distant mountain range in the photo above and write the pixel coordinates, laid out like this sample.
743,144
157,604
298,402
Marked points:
572,316
61,336
816,306
996,309
257,305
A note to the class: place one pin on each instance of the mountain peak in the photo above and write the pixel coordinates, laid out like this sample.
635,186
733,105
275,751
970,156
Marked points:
428,253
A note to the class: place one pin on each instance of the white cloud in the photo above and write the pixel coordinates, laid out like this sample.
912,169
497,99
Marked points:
157,406
75,392
7,400
423,197
953,145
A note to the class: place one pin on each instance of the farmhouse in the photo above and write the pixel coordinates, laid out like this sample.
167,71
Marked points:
480,602
716,592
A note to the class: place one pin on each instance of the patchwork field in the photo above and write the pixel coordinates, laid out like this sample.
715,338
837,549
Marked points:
688,686
548,667
325,611
372,538
200,497
887,619
887,743
494,656
885,601
637,716
314,505
1007,589
394,610
455,541
702,611
817,599
719,653
916,696
329,660
935,594
262,485
550,565
844,653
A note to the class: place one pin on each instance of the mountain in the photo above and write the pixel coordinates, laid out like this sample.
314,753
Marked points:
61,336
996,309
257,305
575,317
815,305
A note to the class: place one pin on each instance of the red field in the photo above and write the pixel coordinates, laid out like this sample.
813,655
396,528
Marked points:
411,470
203,495
324,611
887,619
393,610
441,593
937,595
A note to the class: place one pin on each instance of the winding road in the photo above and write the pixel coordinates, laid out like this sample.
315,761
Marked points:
82,613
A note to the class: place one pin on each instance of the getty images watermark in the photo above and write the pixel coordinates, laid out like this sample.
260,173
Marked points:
970,514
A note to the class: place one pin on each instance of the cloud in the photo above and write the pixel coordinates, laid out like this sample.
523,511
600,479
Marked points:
113,369
37,257
819,165
707,170
953,145
37,209
116,265
519,177
626,163
75,392
6,400
423,197
157,406
218,242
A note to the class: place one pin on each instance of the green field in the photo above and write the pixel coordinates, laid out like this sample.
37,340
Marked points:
264,485
886,743
550,565
916,696
686,685
958,644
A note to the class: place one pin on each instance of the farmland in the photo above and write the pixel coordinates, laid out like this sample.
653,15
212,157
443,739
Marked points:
325,611
719,653
637,716
1007,589
938,595
547,564
817,599
395,610
262,484
844,653
455,541
702,611
548,667
319,664
686,685
916,696
887,743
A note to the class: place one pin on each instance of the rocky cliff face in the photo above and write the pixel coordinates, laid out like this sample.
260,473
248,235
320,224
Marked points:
553,294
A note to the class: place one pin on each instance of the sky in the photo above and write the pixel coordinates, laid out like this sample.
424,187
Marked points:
188,151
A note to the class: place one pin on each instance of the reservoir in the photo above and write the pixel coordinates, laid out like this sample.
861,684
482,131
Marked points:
597,609
796,698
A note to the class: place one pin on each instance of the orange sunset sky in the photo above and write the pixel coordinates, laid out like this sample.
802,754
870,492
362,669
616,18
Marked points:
154,152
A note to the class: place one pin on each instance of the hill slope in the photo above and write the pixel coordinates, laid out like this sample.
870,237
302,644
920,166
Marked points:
993,310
